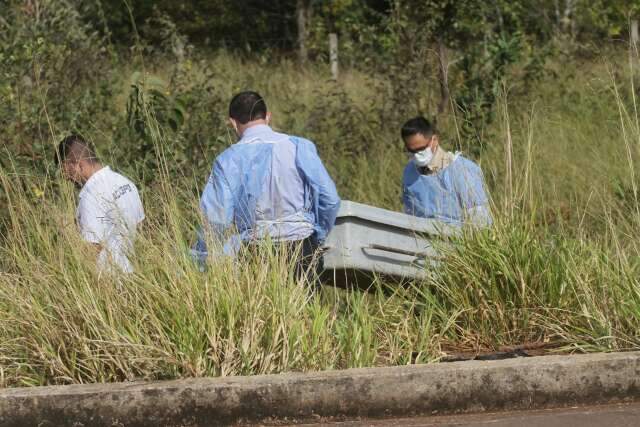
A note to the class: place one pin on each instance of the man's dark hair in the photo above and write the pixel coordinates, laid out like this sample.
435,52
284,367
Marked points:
247,106
75,148
418,125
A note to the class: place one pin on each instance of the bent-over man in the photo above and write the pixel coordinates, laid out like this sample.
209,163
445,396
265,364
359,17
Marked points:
109,207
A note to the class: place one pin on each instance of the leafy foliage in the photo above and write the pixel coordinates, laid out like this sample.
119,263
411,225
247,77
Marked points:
150,96
46,49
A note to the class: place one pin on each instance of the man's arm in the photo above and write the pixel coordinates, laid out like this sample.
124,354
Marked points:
326,201
95,248
410,204
474,198
217,202
93,222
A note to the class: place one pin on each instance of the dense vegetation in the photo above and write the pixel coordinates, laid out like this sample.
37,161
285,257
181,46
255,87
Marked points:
543,97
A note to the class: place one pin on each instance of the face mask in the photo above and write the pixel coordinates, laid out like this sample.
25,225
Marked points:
423,158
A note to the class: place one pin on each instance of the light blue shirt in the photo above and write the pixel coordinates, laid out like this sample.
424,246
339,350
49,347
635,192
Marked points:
453,195
268,184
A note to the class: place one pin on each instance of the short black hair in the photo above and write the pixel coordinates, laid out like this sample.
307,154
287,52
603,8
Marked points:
418,125
74,148
247,106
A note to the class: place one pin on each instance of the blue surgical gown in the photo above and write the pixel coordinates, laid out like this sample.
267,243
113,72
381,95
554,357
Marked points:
268,184
454,195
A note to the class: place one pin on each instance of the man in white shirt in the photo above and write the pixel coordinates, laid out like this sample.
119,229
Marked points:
109,207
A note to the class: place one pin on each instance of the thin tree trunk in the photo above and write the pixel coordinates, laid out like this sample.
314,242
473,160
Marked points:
500,18
443,77
303,14
333,55
567,18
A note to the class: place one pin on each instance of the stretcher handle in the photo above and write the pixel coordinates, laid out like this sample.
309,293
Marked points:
397,251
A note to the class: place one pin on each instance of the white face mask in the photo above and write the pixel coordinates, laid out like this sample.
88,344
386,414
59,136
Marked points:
423,158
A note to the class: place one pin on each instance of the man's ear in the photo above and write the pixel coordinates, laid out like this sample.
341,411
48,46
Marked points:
268,117
83,167
233,124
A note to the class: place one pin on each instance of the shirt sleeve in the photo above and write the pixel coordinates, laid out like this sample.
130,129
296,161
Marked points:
326,201
411,201
93,220
217,203
470,187
474,197
411,205
407,198
139,207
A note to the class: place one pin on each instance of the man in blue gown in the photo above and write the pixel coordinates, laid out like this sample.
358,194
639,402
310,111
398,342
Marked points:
440,184
268,185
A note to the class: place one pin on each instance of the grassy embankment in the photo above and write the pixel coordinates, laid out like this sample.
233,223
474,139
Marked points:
559,266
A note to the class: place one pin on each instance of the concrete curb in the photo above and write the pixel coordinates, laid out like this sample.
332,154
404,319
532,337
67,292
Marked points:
537,382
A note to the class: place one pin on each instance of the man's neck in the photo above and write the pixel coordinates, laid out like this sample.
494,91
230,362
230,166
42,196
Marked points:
441,159
243,128
91,170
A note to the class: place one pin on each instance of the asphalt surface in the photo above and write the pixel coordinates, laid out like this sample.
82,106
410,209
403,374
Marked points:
621,415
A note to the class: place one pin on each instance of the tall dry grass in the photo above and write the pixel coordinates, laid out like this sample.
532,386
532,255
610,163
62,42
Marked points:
559,266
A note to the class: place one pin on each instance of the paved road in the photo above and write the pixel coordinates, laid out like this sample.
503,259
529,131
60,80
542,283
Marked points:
622,415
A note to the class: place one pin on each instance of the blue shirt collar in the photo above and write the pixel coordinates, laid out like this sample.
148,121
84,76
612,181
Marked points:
255,131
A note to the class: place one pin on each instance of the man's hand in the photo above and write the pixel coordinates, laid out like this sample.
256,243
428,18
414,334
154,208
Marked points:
95,248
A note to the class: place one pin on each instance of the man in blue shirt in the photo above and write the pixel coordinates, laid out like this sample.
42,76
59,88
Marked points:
268,185
439,184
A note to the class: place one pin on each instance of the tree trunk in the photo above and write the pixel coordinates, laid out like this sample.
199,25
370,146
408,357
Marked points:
303,15
634,32
443,77
568,18
333,55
